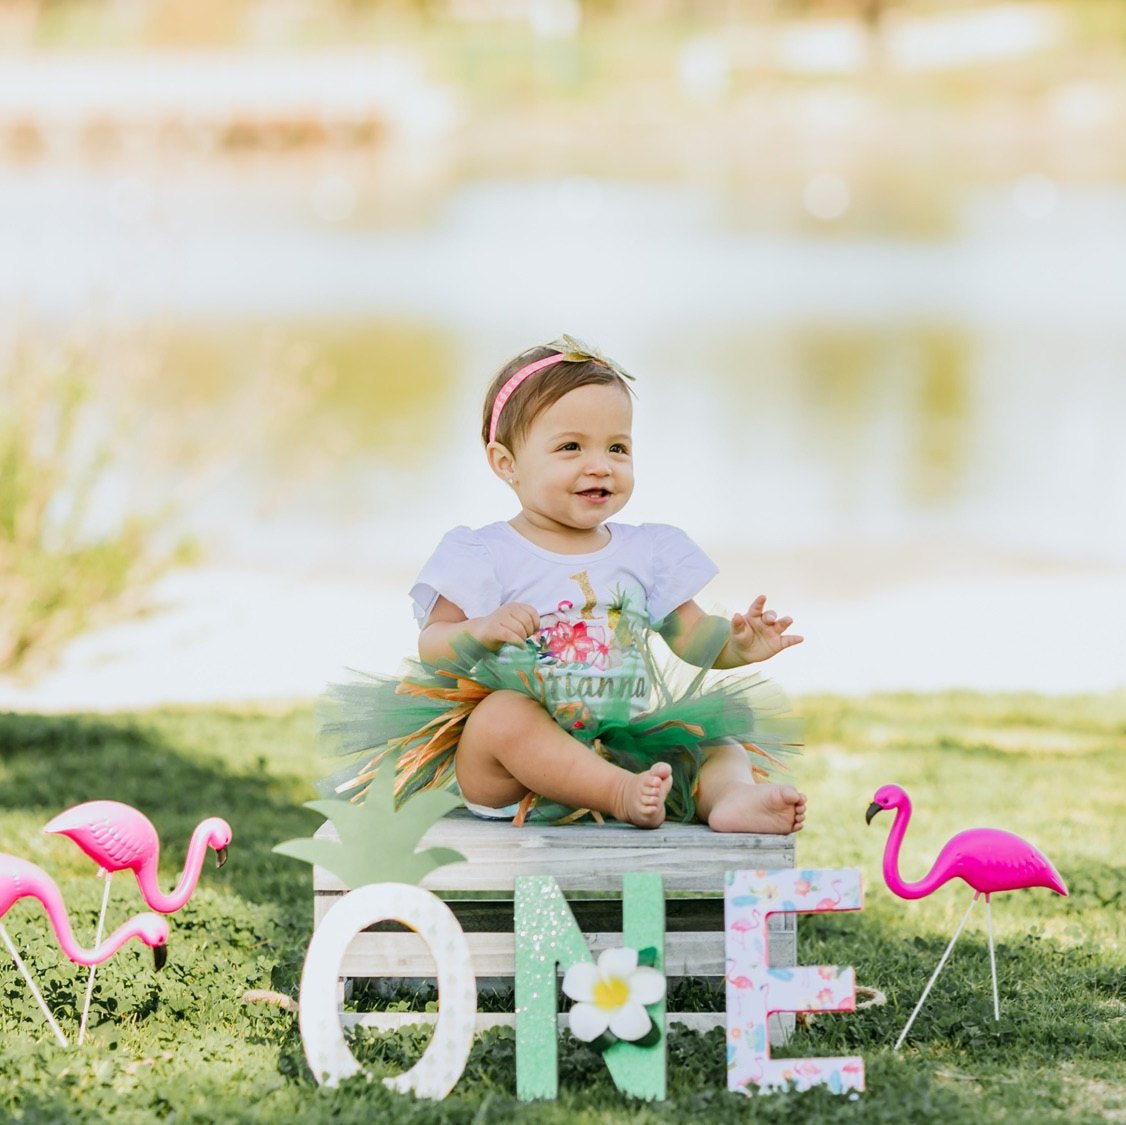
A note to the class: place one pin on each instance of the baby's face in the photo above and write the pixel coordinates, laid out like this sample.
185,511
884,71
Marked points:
575,466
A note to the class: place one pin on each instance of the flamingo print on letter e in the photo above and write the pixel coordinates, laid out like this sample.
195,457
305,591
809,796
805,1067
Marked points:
755,990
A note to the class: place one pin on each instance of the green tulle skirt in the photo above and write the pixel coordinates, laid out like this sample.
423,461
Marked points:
414,721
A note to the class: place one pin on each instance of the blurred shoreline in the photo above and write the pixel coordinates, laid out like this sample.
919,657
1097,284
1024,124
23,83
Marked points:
706,96
934,618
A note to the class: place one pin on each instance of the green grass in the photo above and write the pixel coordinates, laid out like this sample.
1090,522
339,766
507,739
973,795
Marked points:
184,1044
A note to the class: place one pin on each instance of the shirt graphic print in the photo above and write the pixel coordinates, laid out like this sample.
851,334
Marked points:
593,651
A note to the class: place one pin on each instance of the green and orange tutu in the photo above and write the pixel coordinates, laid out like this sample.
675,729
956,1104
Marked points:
414,721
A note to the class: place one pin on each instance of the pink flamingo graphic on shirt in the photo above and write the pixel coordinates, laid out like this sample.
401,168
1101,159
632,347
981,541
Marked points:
988,859
19,878
118,837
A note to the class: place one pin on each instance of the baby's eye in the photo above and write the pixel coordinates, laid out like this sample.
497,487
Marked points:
618,447
569,447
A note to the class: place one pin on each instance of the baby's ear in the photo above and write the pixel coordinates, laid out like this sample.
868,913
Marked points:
501,461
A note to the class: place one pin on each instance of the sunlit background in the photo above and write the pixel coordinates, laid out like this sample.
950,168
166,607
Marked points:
866,258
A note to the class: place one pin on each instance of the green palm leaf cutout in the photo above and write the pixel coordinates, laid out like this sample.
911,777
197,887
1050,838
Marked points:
377,841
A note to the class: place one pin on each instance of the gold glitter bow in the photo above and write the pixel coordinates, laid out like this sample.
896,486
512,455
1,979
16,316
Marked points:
575,351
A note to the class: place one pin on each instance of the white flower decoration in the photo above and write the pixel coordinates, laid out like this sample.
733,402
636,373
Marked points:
611,996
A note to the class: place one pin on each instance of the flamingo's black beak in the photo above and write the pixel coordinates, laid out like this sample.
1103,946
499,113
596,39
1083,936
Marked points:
159,957
220,856
873,808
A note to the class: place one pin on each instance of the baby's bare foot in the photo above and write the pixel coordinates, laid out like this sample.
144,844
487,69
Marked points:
642,800
770,809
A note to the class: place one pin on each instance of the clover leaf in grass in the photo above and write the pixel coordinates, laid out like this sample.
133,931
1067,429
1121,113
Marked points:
378,843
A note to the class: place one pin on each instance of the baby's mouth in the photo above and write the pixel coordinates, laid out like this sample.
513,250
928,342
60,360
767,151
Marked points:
595,493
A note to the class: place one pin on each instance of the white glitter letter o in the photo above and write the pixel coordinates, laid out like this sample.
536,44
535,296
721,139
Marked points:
437,1072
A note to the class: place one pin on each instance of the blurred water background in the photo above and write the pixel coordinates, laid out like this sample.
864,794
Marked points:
866,259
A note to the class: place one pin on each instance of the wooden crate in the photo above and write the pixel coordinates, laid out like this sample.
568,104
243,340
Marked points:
588,862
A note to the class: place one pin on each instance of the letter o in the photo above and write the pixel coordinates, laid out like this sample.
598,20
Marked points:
327,1053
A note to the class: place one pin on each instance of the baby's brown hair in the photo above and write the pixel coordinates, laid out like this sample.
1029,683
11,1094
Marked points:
543,389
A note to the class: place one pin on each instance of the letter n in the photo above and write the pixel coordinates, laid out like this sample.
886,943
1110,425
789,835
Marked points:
548,939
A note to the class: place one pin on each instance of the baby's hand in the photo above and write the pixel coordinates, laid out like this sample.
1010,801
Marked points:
760,633
512,624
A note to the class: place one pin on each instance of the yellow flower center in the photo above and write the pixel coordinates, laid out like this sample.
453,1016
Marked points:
611,994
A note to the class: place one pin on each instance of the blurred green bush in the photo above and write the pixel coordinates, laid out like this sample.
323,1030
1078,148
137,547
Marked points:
61,573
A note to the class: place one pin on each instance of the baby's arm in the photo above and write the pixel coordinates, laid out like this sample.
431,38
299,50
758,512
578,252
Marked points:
756,635
513,623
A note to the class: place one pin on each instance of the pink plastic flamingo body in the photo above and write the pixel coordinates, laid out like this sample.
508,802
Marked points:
20,878
118,837
988,859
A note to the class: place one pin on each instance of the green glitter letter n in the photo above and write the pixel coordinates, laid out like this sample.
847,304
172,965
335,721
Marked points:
548,938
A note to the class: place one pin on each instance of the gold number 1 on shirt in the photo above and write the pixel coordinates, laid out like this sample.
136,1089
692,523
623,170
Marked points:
583,579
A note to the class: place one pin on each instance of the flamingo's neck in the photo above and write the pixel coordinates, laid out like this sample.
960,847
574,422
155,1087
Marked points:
114,942
895,882
193,864
52,899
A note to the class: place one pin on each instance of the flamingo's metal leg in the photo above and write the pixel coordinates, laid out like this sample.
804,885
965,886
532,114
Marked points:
97,942
992,959
34,988
934,975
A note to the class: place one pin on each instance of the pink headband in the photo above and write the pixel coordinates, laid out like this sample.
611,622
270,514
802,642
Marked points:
509,388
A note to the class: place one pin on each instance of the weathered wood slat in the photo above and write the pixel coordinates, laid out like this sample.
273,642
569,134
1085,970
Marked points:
585,857
490,915
494,954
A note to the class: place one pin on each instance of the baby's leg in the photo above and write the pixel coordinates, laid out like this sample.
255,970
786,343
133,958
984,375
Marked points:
729,800
511,746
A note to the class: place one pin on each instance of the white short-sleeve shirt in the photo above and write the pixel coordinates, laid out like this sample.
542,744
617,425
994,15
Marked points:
594,609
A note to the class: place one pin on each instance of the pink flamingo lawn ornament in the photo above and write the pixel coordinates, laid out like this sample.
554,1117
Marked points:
20,878
988,859
117,837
